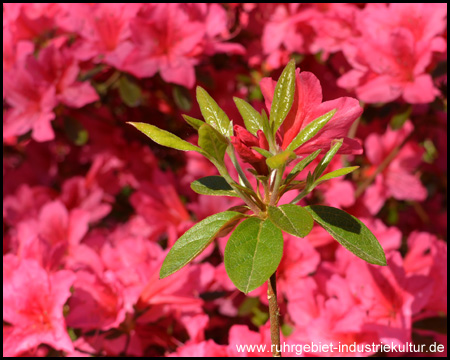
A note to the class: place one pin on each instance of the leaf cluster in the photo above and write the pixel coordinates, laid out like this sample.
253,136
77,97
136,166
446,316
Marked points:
255,247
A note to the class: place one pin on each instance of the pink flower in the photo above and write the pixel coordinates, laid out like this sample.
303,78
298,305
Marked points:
200,349
164,40
97,301
31,104
287,30
334,316
334,25
388,296
33,303
162,209
104,29
308,106
390,58
60,232
35,86
397,179
241,335
78,192
428,256
56,66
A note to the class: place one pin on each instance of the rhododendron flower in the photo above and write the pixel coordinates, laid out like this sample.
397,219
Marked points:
165,40
288,30
329,313
32,105
104,28
308,106
428,256
33,303
387,296
97,301
398,179
36,86
243,143
390,58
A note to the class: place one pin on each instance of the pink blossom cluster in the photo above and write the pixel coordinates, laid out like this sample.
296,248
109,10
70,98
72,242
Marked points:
91,208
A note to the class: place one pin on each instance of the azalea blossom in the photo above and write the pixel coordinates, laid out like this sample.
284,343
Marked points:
36,315
308,106
397,179
390,58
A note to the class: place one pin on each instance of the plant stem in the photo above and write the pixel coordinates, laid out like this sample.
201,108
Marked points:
274,315
242,177
276,186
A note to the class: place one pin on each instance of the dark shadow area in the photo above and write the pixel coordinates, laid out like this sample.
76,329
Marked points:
336,217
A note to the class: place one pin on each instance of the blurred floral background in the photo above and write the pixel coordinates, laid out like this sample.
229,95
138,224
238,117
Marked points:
91,206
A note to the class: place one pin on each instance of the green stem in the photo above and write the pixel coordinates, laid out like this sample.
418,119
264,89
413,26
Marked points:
232,155
224,172
276,186
274,315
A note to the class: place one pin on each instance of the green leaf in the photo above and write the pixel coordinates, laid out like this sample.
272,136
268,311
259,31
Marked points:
182,97
213,185
263,152
283,96
212,142
302,164
75,131
337,173
195,123
195,240
129,92
252,119
398,120
294,185
327,158
165,138
253,253
278,160
265,123
212,113
311,130
349,232
293,219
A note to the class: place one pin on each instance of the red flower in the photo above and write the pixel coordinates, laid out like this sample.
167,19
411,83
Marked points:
243,143
307,107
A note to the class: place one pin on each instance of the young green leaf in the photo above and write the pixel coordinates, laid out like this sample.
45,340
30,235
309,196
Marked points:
195,123
253,253
195,240
165,138
337,173
263,152
266,125
278,160
75,131
182,97
302,164
294,185
212,113
212,142
327,158
213,185
311,130
283,96
129,92
293,219
349,232
252,119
